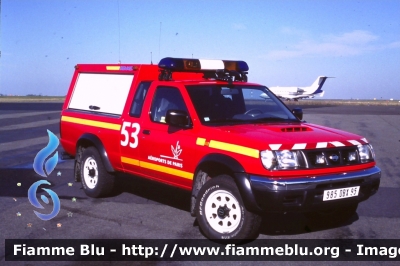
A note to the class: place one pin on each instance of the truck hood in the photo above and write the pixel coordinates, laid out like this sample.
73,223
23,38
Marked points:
282,136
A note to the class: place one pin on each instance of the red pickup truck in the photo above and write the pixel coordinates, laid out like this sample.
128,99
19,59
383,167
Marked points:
201,126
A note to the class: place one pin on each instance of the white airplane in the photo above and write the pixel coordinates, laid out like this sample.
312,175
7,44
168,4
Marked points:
296,93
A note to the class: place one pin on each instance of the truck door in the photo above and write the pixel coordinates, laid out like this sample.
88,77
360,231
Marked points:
131,130
166,151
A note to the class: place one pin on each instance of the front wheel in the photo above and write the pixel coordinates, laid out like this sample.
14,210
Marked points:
96,181
221,213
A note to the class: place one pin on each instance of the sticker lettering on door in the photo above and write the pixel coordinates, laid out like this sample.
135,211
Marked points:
173,160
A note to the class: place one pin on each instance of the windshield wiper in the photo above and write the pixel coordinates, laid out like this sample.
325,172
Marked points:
234,121
274,119
227,120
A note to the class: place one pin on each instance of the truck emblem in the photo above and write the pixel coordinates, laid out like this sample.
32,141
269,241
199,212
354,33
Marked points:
176,151
334,157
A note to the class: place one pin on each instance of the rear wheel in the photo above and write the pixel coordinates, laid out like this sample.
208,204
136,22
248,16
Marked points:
96,181
221,213
77,164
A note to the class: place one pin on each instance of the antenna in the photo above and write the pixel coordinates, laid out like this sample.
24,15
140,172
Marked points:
119,37
151,57
159,42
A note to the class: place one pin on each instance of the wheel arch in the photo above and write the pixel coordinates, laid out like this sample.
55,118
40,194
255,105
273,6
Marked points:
87,140
216,164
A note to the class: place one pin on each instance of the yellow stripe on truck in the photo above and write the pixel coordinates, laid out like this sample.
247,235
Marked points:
200,141
92,123
130,161
167,170
229,147
158,168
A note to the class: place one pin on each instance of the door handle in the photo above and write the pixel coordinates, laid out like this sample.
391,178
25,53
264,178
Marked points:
94,107
146,132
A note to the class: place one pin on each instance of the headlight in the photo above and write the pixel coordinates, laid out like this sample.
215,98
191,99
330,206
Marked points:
366,153
279,159
287,159
268,159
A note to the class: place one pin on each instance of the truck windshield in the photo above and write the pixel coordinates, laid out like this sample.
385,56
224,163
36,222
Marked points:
219,104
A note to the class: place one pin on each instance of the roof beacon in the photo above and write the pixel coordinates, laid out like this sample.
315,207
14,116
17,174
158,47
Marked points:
217,69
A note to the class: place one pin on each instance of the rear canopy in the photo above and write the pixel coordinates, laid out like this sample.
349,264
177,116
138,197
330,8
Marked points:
105,93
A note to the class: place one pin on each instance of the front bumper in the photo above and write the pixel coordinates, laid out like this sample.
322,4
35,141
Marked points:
306,194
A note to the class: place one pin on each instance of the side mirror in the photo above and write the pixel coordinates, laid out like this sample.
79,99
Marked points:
178,118
298,112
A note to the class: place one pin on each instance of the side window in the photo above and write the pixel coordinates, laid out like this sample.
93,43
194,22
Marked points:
101,93
136,108
166,98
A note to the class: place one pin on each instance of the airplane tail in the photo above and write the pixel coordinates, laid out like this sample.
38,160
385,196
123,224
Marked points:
316,87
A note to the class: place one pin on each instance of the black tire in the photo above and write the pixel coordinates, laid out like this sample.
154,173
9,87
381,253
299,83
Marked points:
77,164
96,181
221,214
335,215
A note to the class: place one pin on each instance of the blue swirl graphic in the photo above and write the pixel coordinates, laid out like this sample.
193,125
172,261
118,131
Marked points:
39,162
33,200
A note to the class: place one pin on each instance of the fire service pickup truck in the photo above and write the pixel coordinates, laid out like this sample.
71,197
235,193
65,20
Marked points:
201,126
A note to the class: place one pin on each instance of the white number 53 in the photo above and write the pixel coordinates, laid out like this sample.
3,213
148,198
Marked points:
134,134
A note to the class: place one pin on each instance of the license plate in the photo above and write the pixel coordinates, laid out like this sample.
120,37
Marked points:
341,193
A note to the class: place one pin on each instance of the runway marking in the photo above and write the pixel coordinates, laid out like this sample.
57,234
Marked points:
18,115
31,124
19,144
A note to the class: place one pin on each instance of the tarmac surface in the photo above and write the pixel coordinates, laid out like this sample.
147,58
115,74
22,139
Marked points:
142,209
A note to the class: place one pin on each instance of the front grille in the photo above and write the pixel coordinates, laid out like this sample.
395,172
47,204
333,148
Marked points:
330,157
